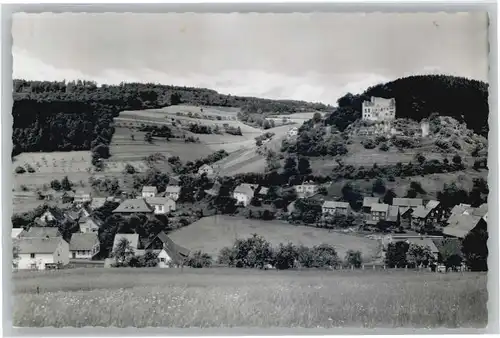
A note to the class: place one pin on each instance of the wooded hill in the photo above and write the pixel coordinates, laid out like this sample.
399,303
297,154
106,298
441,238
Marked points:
78,115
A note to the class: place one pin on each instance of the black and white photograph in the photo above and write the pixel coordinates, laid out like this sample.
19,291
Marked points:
250,170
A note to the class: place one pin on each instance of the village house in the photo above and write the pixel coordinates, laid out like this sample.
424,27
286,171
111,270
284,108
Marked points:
206,169
378,213
368,202
51,215
161,205
149,191
420,217
41,253
437,212
293,132
16,232
40,232
244,193
379,109
81,197
68,197
134,206
89,224
173,192
459,225
48,195
406,207
461,209
334,208
306,189
262,192
97,202
84,246
169,253
393,215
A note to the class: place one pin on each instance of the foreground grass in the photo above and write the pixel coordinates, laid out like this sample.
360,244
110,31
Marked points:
247,298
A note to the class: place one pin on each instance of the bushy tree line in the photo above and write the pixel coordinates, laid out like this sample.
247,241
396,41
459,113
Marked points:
192,167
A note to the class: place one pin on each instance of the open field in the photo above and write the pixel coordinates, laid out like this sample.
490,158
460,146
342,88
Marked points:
248,298
210,234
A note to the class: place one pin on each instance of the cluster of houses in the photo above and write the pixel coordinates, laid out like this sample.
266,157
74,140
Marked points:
43,247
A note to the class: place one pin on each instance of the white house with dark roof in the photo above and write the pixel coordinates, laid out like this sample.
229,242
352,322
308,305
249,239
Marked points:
244,193
149,191
84,246
335,208
89,224
169,253
41,253
173,192
161,205
134,206
82,196
206,169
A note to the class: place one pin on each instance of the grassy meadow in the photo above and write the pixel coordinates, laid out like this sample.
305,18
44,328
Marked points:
248,298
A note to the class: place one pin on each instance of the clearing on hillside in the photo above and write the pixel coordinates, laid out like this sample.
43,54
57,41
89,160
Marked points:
211,234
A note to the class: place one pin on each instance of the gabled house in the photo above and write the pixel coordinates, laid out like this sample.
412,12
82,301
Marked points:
393,215
134,206
84,246
173,192
420,217
244,193
40,232
378,213
41,253
262,191
82,196
368,202
214,191
437,212
89,224
459,225
149,191
306,189
52,215
68,197
206,169
161,205
48,195
169,253
461,209
406,207
333,208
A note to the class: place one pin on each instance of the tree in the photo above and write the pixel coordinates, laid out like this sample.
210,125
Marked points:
475,248
324,255
420,158
148,137
354,258
389,197
66,184
396,254
304,167
122,251
56,185
285,256
129,169
20,170
290,167
175,99
199,259
101,151
15,254
253,252
378,186
457,159
316,117
419,255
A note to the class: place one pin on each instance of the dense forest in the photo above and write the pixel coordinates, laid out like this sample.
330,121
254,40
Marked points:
417,97
78,115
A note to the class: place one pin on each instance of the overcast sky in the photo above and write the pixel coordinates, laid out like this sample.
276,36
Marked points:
313,57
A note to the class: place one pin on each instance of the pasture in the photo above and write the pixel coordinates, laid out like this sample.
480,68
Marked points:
211,234
221,297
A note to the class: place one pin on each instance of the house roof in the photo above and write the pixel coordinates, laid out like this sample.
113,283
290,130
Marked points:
245,188
421,212
432,204
37,245
263,191
407,202
461,208
368,201
291,207
16,232
41,232
335,204
159,200
81,193
149,188
424,242
133,205
56,212
84,241
132,238
176,252
393,213
173,189
380,207
69,193
459,225
205,166
481,211
97,202
95,220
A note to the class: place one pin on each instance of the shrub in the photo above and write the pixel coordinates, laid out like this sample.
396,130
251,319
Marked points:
442,144
56,185
129,169
403,142
324,255
354,258
199,260
226,256
369,144
456,145
20,170
30,168
285,256
384,147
